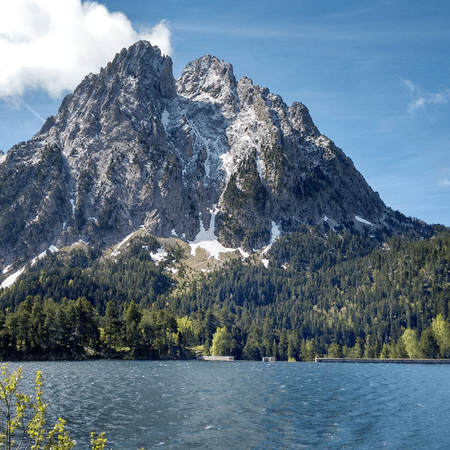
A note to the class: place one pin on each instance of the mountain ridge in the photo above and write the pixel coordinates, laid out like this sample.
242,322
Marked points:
132,147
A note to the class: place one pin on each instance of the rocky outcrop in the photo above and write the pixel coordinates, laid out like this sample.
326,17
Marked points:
133,147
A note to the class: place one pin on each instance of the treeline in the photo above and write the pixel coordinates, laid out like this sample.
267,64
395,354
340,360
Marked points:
40,329
45,329
321,294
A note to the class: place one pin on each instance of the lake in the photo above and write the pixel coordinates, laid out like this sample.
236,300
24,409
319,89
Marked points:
249,405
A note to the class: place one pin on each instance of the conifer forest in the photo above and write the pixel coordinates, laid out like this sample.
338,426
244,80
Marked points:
321,294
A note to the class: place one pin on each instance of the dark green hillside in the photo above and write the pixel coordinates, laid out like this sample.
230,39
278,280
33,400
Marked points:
321,294
334,289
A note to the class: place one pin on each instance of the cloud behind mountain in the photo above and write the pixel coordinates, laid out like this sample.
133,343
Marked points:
50,45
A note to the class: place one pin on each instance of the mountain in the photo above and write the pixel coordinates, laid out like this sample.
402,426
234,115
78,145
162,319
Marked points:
134,148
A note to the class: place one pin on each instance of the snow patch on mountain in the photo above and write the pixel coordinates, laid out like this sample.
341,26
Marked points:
165,118
116,252
275,234
227,164
8,282
364,221
159,256
259,168
332,223
207,240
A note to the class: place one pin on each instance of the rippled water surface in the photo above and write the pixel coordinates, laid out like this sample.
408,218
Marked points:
250,405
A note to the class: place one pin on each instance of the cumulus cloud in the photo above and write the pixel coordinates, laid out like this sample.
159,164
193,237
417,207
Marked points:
422,99
51,45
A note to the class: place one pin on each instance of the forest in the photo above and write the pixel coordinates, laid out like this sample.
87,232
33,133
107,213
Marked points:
322,294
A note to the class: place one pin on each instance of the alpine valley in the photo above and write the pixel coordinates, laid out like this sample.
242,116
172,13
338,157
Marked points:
159,218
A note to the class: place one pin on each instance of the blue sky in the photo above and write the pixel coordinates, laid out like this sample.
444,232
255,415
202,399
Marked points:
374,74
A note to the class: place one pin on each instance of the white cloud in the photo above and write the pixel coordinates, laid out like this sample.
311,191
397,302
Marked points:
443,177
423,99
51,45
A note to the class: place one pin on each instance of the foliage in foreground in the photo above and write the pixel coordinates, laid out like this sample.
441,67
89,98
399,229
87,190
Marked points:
22,418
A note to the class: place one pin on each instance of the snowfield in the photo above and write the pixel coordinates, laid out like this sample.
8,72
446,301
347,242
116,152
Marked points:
8,282
207,240
364,221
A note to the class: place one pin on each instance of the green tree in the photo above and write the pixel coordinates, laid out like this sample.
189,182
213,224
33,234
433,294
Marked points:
56,325
23,423
83,319
428,344
112,324
294,346
223,343
166,326
251,350
283,346
36,324
398,350
23,314
309,350
409,338
385,351
357,351
441,331
131,321
209,325
186,329
147,327
10,330
335,351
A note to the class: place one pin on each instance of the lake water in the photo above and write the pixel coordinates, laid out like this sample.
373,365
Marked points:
250,405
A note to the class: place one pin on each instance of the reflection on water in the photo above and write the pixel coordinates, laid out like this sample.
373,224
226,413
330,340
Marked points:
245,405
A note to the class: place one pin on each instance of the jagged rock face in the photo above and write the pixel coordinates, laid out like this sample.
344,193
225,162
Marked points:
133,147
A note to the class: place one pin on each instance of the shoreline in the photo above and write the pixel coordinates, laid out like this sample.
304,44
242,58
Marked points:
382,361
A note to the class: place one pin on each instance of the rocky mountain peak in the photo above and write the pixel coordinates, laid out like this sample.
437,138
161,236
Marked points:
144,63
302,121
132,147
210,80
124,98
